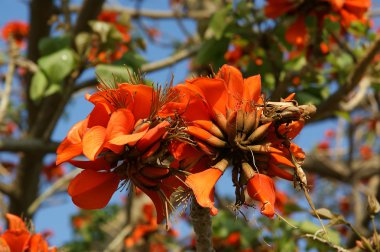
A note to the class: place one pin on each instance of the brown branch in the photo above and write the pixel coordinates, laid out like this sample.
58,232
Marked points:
201,220
6,189
149,67
154,14
6,93
338,170
89,10
58,185
331,104
27,145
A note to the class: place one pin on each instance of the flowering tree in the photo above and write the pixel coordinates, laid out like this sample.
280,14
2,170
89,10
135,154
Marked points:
260,73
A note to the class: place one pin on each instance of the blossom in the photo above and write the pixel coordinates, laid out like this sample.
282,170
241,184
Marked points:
17,238
18,30
234,108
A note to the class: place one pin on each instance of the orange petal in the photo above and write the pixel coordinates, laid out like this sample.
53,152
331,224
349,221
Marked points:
99,116
128,139
15,223
66,151
235,85
17,241
274,170
252,89
290,97
38,244
96,165
121,122
203,184
214,91
152,136
76,133
158,203
292,129
93,190
93,142
280,159
142,96
261,188
296,34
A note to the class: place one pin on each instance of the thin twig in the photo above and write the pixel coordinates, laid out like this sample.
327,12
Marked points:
6,93
115,243
59,184
153,14
326,242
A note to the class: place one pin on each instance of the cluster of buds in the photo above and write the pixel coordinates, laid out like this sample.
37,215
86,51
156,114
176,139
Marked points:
183,138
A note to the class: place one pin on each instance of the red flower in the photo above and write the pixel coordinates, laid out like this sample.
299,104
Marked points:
18,30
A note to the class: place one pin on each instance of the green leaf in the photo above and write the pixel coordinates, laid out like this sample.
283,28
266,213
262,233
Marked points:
50,45
81,41
133,60
58,65
38,86
309,227
112,73
105,30
219,21
53,88
212,52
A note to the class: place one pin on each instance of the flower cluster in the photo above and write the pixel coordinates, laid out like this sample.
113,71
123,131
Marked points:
182,138
17,238
343,11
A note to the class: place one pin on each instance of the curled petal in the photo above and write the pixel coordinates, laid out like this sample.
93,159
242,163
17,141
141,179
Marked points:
142,96
99,116
38,244
93,142
261,188
203,184
152,136
15,223
93,190
96,165
76,133
17,241
67,150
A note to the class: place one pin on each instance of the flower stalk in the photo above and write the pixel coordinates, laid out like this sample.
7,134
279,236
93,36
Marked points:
201,220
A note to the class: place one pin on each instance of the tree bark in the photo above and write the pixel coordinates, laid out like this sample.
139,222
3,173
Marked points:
201,220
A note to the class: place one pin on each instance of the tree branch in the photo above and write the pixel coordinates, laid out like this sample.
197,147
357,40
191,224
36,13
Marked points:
332,103
149,67
6,189
201,220
27,145
60,183
154,14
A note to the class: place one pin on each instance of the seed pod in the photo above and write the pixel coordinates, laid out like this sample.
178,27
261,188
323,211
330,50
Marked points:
240,114
231,125
265,148
210,127
220,120
249,122
259,133
205,136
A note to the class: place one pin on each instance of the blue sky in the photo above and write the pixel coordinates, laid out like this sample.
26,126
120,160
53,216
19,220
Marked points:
56,216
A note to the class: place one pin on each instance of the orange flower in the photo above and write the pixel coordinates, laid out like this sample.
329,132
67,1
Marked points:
53,171
18,238
296,34
18,30
261,188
